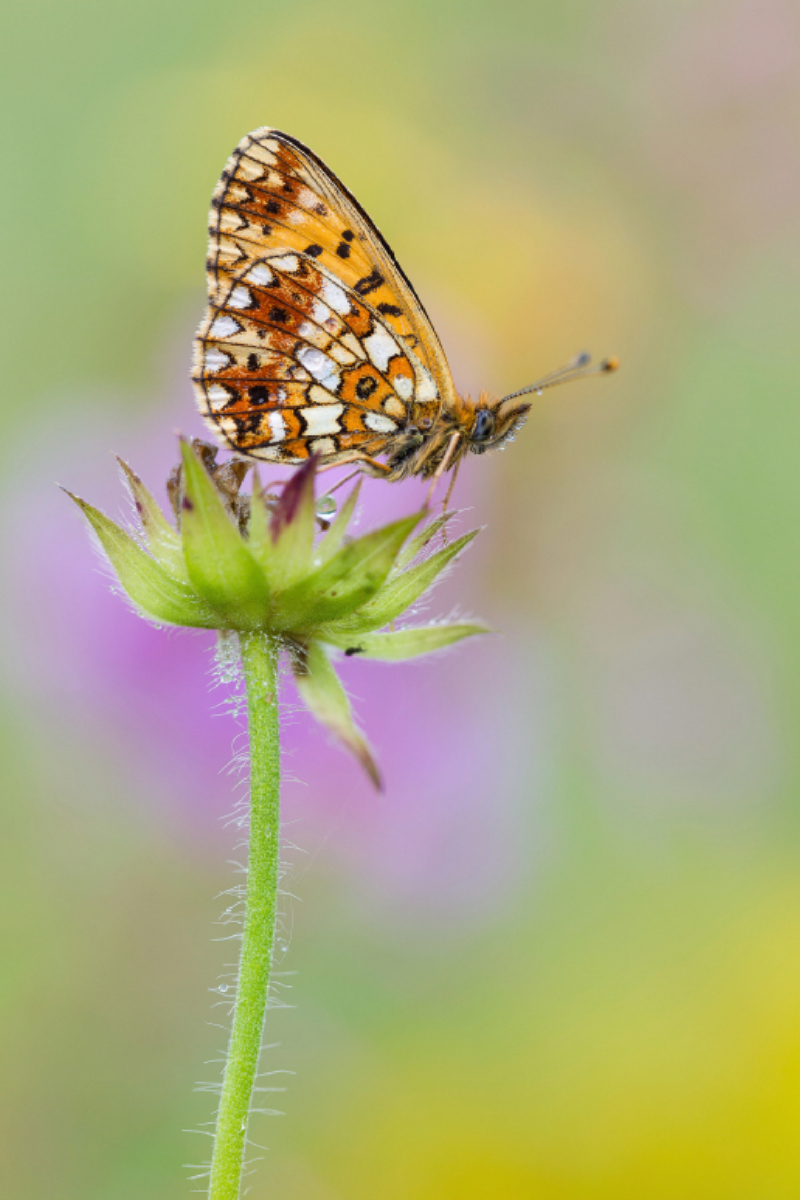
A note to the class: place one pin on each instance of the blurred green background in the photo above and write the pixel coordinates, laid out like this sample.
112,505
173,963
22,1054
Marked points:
560,959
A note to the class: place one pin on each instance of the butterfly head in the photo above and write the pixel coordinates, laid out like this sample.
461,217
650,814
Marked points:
494,423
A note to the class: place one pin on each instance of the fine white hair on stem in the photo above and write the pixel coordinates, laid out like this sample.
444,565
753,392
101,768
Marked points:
226,675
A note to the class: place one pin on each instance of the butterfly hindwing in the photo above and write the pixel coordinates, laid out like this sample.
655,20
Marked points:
275,194
289,361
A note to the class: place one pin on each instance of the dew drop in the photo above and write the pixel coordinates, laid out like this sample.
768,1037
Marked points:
326,508
223,987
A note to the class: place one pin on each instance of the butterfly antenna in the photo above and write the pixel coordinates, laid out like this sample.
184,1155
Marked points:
578,368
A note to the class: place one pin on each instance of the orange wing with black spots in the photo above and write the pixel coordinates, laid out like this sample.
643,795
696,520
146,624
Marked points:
315,342
275,194
289,361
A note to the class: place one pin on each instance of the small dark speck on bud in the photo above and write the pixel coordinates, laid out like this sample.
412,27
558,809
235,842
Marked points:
351,650
187,504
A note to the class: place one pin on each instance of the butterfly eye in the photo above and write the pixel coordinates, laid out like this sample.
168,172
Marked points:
425,423
483,427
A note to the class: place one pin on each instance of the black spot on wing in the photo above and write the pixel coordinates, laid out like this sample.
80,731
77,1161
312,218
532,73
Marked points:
365,387
314,250
343,250
369,283
248,422
390,310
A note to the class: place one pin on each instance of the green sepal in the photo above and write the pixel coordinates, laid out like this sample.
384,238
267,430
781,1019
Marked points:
399,593
152,590
325,698
332,541
221,568
410,552
405,643
292,528
348,581
163,540
260,540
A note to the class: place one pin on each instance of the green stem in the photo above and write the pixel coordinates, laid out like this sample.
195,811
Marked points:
259,658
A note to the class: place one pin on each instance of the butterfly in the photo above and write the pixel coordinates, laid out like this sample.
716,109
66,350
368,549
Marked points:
315,342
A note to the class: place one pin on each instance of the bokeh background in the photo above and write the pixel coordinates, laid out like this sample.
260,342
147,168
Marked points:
560,958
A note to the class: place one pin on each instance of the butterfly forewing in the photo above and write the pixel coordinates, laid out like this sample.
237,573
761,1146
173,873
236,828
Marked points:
290,361
275,194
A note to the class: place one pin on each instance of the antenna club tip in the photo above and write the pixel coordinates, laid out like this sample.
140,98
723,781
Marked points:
610,364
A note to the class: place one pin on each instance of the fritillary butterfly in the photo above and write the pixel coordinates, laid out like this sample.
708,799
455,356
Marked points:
314,340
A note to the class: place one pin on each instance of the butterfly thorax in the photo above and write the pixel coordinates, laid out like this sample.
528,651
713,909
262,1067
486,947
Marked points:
460,427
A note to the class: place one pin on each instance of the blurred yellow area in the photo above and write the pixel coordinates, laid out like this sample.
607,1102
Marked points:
560,959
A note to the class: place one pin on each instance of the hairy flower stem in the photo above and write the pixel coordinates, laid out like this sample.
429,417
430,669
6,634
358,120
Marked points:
259,659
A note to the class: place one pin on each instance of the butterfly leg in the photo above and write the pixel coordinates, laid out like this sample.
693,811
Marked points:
342,482
369,466
443,465
446,500
452,484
